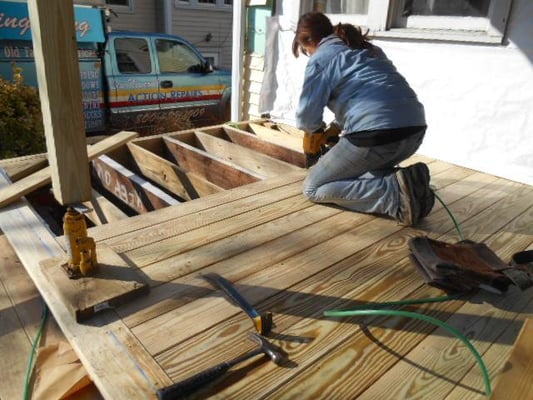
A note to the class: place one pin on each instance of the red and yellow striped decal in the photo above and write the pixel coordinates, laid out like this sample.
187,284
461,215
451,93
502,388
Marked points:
153,96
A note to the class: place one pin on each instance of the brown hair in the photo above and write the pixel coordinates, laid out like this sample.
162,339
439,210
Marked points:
353,36
314,26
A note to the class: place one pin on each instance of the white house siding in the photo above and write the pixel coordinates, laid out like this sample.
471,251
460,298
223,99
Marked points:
143,17
195,25
478,98
252,81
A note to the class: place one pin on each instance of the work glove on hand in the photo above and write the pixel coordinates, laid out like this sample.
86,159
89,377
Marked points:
319,142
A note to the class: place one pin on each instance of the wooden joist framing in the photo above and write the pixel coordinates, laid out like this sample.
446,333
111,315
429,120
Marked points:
149,158
252,160
216,170
253,142
15,191
134,191
275,136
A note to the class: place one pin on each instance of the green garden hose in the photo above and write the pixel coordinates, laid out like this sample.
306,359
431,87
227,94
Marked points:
36,342
369,309
426,318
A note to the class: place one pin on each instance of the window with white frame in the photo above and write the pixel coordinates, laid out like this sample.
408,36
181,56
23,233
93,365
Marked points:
223,4
120,3
460,20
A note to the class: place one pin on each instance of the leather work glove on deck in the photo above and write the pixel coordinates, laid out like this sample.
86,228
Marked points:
467,265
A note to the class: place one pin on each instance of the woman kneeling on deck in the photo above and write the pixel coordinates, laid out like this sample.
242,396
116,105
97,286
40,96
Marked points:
382,123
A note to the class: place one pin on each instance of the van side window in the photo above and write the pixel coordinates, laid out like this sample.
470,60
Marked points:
175,56
133,56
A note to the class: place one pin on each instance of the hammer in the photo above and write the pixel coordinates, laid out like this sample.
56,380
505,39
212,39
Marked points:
262,322
193,383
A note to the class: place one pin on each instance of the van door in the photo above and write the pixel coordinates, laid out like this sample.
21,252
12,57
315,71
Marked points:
133,84
187,83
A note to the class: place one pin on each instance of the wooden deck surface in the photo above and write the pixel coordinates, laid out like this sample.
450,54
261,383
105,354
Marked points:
297,260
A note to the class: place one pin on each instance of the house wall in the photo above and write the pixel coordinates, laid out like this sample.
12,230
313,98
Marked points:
478,98
143,17
196,24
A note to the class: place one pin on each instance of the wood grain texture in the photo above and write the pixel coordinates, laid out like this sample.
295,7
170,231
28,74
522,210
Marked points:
169,175
252,160
298,259
14,191
216,170
132,190
112,284
105,368
515,380
58,74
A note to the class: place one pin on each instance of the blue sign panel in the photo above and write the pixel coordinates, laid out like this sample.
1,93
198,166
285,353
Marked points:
15,23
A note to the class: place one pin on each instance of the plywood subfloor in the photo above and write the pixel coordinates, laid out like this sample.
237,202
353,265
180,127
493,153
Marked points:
297,260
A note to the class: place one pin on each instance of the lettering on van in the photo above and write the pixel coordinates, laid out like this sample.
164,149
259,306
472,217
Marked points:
22,25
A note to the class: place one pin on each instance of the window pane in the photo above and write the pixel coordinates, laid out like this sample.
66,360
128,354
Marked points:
347,7
176,57
118,2
133,56
461,8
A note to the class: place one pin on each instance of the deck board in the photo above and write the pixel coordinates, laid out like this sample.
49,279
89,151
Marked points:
299,259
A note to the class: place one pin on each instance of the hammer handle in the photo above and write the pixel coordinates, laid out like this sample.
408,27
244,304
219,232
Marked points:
195,382
190,385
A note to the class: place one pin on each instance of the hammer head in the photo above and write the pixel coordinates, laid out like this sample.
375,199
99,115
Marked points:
263,323
275,353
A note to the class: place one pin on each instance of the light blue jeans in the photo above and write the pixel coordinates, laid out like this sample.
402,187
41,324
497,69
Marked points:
360,178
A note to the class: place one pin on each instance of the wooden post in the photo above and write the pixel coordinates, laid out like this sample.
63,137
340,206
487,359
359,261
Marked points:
56,62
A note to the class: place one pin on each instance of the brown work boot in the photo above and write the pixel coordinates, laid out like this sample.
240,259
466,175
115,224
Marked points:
416,197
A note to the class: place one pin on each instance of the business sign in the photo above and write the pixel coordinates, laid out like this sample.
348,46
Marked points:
15,23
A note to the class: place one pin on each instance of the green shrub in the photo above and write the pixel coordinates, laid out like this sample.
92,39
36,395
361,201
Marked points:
21,123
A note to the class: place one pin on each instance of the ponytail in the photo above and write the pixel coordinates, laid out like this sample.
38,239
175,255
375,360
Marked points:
353,36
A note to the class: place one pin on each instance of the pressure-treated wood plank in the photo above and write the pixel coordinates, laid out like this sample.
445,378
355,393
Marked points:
167,215
279,239
220,172
33,243
112,284
296,268
20,167
15,348
200,218
42,178
501,348
251,141
384,265
28,306
56,64
252,160
167,174
275,136
163,249
350,363
515,382
196,316
187,264
134,191
447,356
101,210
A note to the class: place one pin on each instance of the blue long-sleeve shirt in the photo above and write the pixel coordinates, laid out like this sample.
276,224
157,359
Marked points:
363,90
